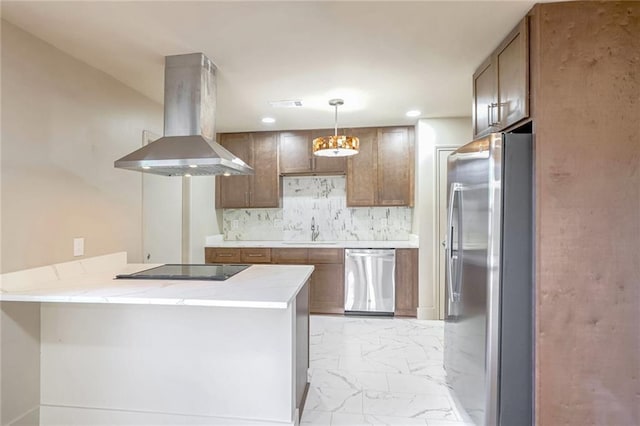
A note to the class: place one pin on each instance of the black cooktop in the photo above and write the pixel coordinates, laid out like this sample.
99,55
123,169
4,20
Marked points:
211,272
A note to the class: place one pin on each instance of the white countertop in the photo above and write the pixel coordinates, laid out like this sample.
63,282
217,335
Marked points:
259,286
316,244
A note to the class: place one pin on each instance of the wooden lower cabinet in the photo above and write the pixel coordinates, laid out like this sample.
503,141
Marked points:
237,255
327,289
327,280
221,255
406,282
255,255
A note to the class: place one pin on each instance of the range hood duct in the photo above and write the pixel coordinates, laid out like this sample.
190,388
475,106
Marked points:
188,146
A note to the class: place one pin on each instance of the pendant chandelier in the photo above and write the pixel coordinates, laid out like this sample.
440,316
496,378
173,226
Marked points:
336,145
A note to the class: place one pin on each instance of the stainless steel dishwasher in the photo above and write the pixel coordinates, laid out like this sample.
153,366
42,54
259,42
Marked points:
369,281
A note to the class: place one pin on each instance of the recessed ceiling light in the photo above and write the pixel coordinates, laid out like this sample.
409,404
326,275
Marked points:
268,120
187,175
413,113
146,167
193,166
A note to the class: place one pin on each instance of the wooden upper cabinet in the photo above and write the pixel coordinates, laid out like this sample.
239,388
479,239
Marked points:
234,190
264,190
395,167
362,169
512,59
295,152
381,174
296,155
501,84
485,98
260,151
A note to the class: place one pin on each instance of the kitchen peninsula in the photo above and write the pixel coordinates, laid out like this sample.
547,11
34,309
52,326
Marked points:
167,351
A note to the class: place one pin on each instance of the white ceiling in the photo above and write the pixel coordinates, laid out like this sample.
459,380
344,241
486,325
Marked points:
382,58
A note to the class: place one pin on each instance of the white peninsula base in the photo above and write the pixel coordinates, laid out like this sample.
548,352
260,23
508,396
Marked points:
156,363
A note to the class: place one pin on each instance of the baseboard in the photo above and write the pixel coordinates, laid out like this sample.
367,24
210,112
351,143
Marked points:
52,415
427,314
30,418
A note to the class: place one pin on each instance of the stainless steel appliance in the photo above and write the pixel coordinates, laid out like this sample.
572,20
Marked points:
369,281
489,293
188,146
208,272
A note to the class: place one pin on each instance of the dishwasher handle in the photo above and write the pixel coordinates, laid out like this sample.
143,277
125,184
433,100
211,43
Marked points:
383,255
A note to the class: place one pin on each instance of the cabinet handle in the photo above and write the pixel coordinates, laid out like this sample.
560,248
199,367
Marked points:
255,255
491,120
489,115
246,198
225,255
310,163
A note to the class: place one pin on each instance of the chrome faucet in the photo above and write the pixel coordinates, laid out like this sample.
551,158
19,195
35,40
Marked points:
315,230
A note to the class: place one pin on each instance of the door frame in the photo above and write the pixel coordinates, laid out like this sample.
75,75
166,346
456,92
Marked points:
438,274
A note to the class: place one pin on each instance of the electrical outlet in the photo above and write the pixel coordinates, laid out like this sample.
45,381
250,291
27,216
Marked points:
234,224
78,246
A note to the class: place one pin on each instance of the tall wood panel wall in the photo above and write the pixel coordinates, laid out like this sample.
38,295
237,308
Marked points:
585,84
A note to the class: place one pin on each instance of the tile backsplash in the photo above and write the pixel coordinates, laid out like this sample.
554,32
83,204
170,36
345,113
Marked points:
320,200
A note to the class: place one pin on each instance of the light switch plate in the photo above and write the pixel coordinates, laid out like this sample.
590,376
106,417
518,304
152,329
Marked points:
78,246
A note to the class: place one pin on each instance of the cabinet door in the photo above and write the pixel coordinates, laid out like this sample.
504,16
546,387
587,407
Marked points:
362,170
327,165
327,289
406,282
485,114
295,152
512,62
264,190
234,190
395,167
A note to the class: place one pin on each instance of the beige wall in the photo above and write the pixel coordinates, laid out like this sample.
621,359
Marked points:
63,125
19,363
431,134
586,98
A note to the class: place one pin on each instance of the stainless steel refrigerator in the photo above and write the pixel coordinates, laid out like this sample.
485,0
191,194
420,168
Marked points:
488,346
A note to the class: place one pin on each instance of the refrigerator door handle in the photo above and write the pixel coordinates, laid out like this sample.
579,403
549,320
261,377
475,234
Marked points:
455,187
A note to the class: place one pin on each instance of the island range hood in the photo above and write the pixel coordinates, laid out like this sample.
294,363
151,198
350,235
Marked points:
188,147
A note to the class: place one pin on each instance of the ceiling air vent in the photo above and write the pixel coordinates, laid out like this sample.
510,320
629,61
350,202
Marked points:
287,103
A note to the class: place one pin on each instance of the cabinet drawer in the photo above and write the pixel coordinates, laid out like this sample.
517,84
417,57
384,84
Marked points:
290,255
222,255
326,255
255,255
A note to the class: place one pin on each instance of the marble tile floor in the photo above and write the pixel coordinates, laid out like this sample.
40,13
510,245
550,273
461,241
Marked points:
378,371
